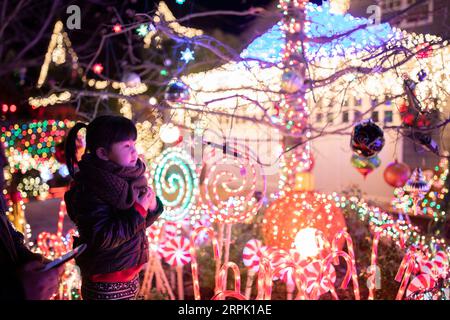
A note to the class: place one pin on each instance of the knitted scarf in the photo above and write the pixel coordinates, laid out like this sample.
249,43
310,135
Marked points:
116,185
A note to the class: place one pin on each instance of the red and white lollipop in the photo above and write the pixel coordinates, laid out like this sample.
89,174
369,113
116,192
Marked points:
421,282
311,273
250,255
176,252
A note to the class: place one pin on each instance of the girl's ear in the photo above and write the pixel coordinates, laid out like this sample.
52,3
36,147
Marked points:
102,153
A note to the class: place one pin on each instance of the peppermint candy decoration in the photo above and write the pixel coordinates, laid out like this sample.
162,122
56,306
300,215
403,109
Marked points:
287,275
170,230
176,252
421,282
311,273
440,260
250,255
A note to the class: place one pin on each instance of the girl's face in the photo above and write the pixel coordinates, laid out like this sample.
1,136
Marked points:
123,153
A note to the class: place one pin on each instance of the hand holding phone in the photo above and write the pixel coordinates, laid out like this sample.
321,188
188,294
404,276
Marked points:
68,256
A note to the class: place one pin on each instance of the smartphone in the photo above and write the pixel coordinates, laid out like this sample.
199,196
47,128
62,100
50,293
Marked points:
69,255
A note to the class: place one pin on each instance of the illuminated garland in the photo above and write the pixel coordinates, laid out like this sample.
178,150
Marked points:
175,181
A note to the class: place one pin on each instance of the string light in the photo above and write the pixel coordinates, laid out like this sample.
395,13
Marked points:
56,52
97,68
163,13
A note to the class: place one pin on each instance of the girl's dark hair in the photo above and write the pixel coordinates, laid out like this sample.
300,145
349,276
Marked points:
102,132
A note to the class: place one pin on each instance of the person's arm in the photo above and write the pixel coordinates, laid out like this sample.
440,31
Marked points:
152,216
108,229
24,254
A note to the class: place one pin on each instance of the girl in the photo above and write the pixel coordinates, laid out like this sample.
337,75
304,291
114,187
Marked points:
111,205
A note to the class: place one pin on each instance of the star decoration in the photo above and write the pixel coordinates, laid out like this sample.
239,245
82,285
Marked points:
187,55
142,30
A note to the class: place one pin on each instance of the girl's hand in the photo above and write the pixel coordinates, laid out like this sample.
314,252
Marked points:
147,200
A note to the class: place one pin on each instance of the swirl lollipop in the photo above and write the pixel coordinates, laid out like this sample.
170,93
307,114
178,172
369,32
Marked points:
176,182
176,253
230,185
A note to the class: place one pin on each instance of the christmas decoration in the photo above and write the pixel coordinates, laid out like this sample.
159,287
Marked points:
396,174
176,91
286,216
365,165
367,139
187,55
175,182
416,187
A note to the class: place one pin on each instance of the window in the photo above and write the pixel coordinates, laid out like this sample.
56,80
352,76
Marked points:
358,115
388,116
390,5
358,102
319,117
388,102
375,116
330,118
374,102
345,116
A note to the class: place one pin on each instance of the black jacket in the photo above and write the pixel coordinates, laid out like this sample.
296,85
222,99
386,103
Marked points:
115,239
13,254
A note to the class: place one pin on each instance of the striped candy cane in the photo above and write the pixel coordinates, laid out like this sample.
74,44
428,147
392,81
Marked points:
194,264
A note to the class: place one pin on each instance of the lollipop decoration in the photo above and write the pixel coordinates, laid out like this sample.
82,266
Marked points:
176,182
250,257
176,253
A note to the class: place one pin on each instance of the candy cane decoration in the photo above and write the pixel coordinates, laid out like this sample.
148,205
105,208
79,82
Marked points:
250,258
440,261
62,212
374,256
404,273
349,274
194,264
419,283
228,293
297,274
221,279
351,253
264,279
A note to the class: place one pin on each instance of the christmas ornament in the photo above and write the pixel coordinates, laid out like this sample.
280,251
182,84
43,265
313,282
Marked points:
396,174
367,139
365,165
177,91
416,187
291,81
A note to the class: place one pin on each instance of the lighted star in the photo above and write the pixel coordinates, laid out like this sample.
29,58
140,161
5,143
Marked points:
187,55
142,30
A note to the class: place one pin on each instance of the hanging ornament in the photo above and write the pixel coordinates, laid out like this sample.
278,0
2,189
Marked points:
169,133
177,91
365,165
396,174
421,75
187,55
142,30
425,49
367,138
131,79
416,187
97,68
409,86
291,81
425,141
